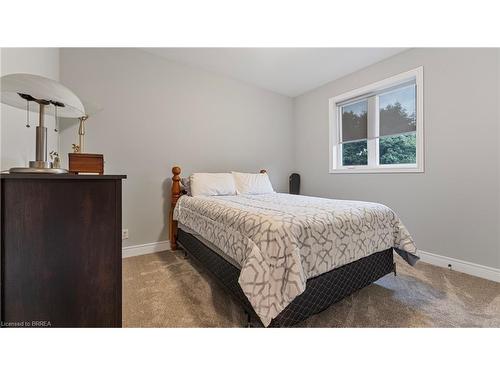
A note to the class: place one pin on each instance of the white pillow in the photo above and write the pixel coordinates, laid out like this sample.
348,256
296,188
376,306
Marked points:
252,183
206,184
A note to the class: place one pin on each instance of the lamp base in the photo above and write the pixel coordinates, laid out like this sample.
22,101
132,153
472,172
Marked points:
38,170
40,164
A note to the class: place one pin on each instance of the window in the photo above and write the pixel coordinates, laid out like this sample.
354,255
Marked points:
379,128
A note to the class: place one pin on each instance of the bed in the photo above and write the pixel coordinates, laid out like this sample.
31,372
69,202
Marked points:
287,257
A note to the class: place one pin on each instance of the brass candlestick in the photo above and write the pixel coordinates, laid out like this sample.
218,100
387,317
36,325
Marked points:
81,134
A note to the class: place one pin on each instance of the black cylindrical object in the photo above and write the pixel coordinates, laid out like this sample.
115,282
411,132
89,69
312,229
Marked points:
294,184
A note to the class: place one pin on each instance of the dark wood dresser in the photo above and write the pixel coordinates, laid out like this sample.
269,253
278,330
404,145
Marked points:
61,251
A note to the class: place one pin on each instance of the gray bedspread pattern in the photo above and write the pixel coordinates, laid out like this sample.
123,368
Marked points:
281,240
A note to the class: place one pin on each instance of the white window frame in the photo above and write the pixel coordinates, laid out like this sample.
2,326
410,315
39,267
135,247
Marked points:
373,139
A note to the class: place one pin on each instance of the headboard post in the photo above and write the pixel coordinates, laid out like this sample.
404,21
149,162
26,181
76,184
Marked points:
176,193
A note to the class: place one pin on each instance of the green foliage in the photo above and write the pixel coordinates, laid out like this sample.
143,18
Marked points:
398,149
355,153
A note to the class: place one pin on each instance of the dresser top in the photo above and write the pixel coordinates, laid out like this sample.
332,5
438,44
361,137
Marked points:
68,176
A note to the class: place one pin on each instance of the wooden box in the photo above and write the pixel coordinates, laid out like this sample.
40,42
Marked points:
86,163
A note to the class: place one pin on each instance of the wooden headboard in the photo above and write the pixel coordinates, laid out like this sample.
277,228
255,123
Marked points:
176,193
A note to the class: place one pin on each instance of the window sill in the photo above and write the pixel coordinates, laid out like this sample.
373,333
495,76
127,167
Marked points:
391,169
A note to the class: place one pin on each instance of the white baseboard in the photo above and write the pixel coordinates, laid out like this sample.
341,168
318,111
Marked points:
469,268
147,248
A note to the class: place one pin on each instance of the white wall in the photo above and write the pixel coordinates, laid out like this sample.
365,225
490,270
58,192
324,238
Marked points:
17,141
157,114
453,208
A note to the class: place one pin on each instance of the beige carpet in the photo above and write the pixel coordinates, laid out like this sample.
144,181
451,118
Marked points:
166,290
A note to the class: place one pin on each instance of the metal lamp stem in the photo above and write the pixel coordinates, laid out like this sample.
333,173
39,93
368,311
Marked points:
41,140
41,137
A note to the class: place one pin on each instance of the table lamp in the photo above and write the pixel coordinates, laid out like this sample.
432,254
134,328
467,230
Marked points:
49,97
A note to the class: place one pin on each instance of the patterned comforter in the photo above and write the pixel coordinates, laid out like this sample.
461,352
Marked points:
281,240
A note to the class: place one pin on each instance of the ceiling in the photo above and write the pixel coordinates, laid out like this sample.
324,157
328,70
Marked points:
288,71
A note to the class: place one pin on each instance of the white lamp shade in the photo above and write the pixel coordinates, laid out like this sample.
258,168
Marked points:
40,88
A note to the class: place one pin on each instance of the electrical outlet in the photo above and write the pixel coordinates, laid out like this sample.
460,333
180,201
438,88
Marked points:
124,234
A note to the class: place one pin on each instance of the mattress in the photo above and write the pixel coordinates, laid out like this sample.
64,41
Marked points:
279,241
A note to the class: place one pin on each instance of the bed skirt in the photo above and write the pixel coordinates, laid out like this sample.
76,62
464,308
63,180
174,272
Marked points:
321,291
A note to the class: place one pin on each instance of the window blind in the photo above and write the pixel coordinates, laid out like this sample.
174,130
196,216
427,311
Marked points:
355,122
397,111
